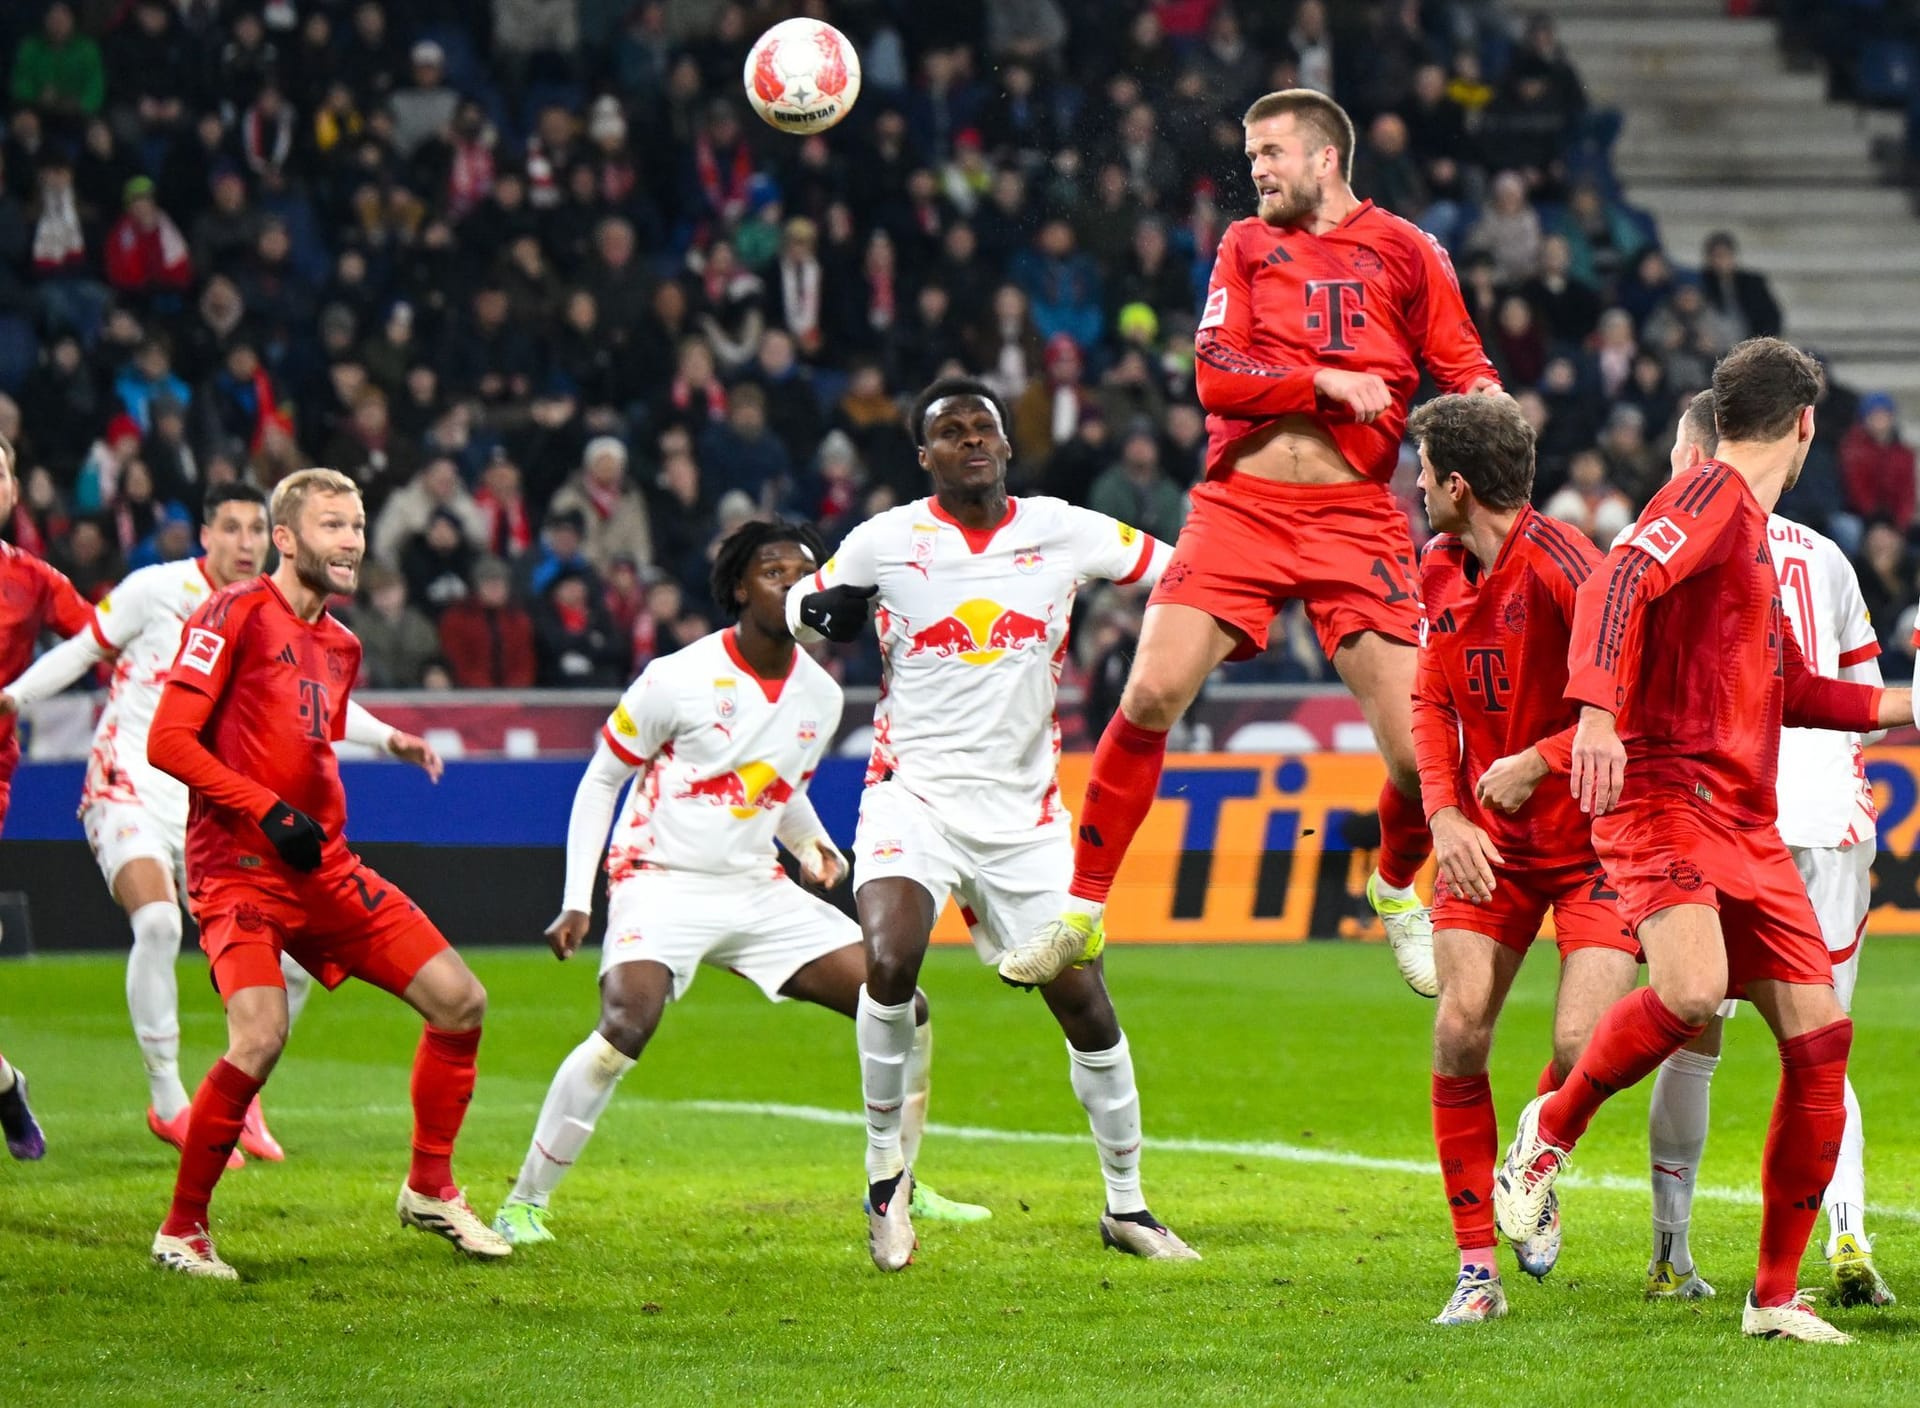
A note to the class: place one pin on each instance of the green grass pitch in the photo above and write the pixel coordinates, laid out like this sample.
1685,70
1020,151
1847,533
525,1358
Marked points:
714,1252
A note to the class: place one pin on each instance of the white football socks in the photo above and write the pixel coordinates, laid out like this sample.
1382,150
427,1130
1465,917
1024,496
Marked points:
1846,1196
1103,1081
886,1037
1676,1138
913,1109
579,1095
1096,910
7,1076
153,1000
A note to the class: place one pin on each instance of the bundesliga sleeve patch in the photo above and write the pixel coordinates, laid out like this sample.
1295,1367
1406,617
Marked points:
623,722
1215,313
1129,535
202,650
1660,539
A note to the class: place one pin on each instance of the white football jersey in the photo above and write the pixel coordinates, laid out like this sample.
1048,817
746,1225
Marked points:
720,753
973,630
1823,791
142,619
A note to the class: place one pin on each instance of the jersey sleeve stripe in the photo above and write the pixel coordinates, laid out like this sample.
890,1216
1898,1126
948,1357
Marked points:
1697,496
1226,359
1613,615
93,624
1860,654
619,750
1140,563
1560,553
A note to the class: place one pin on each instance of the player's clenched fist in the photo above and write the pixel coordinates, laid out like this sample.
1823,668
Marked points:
1362,393
838,613
1465,854
821,863
565,934
1599,762
295,835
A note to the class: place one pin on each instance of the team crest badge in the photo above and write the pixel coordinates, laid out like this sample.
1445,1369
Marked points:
1028,560
1685,875
724,702
809,730
1515,615
1366,262
921,553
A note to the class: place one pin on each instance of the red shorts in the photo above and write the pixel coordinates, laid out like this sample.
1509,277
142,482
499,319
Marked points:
341,922
1251,545
1667,849
1585,914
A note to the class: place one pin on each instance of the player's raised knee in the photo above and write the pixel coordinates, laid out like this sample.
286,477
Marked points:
1154,699
1692,998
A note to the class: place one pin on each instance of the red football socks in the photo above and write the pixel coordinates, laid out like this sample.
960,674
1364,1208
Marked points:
443,1072
1550,1079
213,1127
1405,841
1803,1144
1465,1134
1120,791
1632,1038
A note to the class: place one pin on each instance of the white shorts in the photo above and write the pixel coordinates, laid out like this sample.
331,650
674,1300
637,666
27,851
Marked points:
1840,885
1005,889
127,831
763,929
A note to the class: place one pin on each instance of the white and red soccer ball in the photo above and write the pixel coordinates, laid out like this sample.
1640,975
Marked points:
802,76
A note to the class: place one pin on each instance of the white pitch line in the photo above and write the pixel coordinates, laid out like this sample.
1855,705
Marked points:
1274,1150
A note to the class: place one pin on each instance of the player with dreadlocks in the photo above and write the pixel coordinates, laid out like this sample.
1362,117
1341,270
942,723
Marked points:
720,740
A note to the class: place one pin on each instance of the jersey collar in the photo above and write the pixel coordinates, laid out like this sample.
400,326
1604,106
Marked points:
978,539
769,687
1521,520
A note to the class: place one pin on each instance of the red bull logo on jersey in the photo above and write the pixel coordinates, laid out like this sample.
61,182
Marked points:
887,850
808,731
1029,560
746,791
979,632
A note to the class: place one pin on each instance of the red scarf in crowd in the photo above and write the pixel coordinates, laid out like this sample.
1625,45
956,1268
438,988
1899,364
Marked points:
716,394
726,191
508,532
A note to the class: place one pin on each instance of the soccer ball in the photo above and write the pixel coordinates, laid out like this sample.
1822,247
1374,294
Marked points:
802,76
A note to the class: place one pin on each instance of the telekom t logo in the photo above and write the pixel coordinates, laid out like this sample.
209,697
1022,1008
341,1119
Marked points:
1487,678
1336,307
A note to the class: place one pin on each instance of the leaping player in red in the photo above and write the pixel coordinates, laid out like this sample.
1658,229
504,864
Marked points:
1321,311
248,719
33,598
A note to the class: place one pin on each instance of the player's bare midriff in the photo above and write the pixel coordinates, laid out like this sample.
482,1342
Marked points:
1294,450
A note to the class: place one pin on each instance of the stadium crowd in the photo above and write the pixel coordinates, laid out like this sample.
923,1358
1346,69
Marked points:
533,275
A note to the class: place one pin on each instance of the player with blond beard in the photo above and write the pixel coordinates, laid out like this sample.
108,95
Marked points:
135,816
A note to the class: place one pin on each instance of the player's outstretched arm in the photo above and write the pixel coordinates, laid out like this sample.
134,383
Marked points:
54,671
1449,342
1814,701
174,746
587,827
363,728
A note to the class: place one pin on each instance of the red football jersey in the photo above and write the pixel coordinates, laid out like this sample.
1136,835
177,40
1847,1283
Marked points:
279,688
1681,635
1374,294
34,597
1492,681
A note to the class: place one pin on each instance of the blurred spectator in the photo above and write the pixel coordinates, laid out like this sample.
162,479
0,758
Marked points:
743,453
99,480
1740,296
1137,491
379,458
146,254
561,548
1311,40
1886,570
88,559
58,70
1509,230
1876,469
1062,286
503,505
436,561
487,638
731,300
1614,351
681,509
1635,466
608,503
695,397
40,521
425,107
435,489
1052,406
1601,236
148,377
792,401
1589,502
396,640
1519,345
1568,306
1385,171
578,648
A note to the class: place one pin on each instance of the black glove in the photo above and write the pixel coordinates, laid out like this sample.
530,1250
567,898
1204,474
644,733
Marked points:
295,835
838,613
